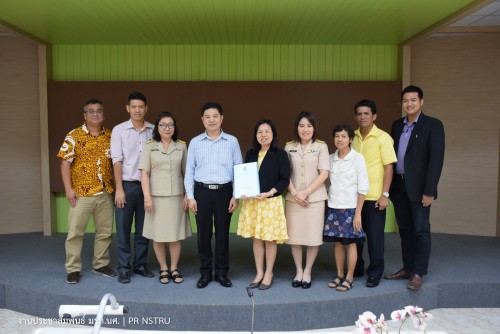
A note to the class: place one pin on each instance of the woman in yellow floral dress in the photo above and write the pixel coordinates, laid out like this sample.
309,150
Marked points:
263,217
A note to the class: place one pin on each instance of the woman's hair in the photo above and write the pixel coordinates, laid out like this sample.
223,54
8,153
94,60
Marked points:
310,118
346,128
255,143
156,133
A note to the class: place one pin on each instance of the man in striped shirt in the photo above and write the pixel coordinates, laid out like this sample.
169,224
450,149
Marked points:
209,188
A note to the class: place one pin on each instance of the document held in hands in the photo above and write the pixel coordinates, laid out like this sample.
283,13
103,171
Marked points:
246,180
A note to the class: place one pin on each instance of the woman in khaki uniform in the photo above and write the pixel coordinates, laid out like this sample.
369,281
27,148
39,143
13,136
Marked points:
162,166
305,200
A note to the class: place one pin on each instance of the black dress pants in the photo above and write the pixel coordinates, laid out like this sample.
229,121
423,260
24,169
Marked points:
414,229
213,214
373,222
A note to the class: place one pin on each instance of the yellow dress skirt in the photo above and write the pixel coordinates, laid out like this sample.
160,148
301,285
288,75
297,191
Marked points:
263,219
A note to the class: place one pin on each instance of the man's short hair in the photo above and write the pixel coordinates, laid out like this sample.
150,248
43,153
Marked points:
91,101
413,89
211,105
366,103
137,96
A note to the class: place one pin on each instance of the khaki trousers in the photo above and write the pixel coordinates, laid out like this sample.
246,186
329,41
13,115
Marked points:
101,208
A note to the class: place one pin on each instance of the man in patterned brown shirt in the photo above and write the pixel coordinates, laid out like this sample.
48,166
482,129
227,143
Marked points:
87,176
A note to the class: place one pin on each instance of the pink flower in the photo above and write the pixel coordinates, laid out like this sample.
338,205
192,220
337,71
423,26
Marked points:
368,323
398,315
412,310
427,315
381,324
419,323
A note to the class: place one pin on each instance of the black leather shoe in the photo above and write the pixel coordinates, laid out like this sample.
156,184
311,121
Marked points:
306,285
223,280
143,271
296,283
372,282
203,281
359,272
124,277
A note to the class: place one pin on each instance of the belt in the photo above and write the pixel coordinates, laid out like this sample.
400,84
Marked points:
213,186
125,181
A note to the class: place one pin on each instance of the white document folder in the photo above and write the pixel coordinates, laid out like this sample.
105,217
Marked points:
246,180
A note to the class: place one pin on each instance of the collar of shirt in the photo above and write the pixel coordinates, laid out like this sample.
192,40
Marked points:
405,120
347,157
86,130
130,125
174,146
373,132
221,136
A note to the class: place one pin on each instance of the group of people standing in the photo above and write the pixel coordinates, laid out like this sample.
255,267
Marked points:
339,198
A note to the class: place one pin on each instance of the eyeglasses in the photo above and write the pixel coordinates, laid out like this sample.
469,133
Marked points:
92,111
164,126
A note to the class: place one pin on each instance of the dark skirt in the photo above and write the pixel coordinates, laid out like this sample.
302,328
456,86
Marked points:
339,227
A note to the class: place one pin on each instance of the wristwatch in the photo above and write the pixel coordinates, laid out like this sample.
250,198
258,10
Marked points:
386,194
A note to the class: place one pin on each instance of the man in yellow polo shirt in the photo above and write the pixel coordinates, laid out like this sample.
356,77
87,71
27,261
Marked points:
377,147
87,176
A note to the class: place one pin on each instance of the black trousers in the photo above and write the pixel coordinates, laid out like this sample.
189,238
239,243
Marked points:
373,222
414,229
213,214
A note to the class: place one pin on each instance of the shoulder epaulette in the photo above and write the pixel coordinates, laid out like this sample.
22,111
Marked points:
181,141
320,141
290,142
150,141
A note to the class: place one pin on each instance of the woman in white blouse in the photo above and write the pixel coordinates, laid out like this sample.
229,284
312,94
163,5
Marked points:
346,194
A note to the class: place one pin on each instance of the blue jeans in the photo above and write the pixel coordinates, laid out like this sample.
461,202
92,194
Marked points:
124,219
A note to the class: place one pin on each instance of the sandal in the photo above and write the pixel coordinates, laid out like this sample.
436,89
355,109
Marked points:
343,287
164,278
336,282
176,276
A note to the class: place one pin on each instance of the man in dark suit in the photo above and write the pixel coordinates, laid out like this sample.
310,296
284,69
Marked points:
419,143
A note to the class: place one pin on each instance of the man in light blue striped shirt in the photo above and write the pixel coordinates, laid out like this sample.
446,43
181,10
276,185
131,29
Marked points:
209,189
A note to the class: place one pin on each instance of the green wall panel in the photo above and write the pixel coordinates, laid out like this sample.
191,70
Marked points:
224,62
62,208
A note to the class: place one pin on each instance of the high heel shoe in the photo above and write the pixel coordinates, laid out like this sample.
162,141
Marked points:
254,285
306,285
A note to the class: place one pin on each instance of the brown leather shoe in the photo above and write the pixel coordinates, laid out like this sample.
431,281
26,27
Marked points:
415,282
401,274
104,271
73,277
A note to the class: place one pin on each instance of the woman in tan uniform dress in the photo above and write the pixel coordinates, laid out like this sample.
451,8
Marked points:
305,200
162,166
